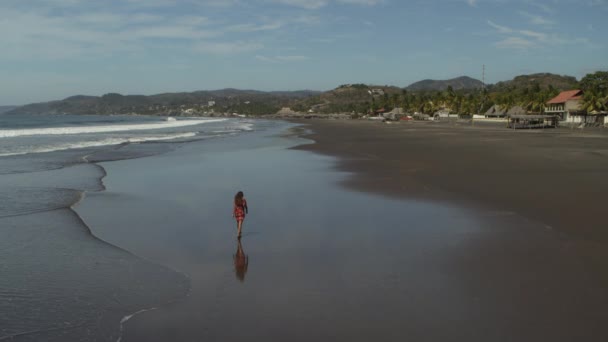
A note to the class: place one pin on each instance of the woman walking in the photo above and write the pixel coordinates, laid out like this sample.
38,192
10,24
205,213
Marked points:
240,210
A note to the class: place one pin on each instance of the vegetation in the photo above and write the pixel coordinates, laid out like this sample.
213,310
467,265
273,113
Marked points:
194,103
595,92
530,92
458,83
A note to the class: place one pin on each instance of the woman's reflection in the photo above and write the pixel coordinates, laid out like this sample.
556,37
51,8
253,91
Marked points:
241,261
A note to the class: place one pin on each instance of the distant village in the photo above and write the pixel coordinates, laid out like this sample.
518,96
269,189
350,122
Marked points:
522,106
565,108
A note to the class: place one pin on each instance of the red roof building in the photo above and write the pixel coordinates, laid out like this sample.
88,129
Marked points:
565,96
567,105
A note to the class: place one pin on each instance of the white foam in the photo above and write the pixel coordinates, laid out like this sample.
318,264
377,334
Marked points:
126,319
98,143
245,126
240,127
10,133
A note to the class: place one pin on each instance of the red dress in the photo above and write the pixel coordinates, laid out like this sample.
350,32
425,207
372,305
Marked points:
239,211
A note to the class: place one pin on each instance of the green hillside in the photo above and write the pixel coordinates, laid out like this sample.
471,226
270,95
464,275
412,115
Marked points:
459,83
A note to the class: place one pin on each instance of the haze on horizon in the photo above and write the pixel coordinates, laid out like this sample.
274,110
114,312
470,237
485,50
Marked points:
52,49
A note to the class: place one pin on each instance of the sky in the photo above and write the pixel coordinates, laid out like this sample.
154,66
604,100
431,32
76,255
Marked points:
52,49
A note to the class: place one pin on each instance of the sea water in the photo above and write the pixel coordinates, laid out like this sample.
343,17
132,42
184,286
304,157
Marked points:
58,281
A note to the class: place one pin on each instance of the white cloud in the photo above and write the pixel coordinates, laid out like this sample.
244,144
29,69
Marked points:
83,31
514,43
522,39
316,4
307,20
544,7
223,48
308,4
362,2
537,19
279,59
537,35
254,27
472,3
501,29
180,32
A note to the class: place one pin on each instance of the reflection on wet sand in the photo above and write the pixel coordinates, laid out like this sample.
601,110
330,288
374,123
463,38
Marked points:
241,262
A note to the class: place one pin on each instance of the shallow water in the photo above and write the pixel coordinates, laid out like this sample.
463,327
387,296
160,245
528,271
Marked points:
59,282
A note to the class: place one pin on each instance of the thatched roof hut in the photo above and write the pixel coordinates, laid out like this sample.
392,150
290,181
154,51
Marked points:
496,111
517,110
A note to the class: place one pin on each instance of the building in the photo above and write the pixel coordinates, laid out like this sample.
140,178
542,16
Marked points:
567,105
376,92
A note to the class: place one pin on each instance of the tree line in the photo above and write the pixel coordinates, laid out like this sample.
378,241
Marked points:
531,97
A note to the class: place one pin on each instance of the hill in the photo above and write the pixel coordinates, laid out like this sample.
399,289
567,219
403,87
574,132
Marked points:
4,109
193,103
543,80
459,83
348,98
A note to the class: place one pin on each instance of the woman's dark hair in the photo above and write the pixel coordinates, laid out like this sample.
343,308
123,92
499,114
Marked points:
238,199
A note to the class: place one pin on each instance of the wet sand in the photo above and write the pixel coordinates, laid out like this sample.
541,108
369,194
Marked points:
556,178
334,263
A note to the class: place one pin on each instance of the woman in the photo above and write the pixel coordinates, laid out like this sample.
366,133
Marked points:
240,210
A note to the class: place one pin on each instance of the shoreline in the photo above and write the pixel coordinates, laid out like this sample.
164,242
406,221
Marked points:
73,208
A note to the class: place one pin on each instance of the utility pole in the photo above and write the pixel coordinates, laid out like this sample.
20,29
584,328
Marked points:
483,78
483,92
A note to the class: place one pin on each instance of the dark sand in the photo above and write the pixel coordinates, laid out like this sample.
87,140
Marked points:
557,178
328,263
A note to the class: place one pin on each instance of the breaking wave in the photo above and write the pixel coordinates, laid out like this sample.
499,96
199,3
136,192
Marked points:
10,133
98,143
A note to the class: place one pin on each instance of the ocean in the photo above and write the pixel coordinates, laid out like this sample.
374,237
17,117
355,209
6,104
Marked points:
60,282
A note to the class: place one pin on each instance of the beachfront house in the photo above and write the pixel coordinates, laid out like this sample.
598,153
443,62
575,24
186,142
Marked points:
376,92
567,105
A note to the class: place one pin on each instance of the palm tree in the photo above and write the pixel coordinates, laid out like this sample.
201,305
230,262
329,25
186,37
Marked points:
539,102
509,101
457,103
594,101
449,97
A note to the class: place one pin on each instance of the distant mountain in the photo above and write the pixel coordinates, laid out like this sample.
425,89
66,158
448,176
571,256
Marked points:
346,98
544,80
459,83
4,109
198,102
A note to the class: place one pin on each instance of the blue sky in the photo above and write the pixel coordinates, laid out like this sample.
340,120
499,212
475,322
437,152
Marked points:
52,49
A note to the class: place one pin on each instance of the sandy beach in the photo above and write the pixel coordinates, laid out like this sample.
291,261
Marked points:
555,178
395,254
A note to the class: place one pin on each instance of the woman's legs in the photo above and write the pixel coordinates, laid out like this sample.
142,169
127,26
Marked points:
239,226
